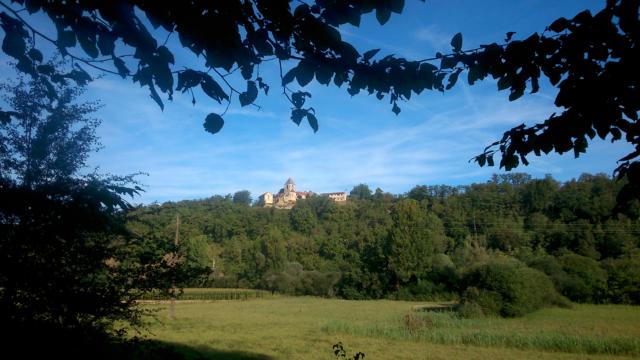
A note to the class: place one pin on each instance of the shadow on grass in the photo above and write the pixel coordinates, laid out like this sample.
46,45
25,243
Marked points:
39,343
152,349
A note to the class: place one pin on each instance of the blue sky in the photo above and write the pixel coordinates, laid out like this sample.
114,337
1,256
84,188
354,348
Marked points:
360,140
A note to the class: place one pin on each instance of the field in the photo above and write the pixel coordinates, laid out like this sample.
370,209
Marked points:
212,294
306,328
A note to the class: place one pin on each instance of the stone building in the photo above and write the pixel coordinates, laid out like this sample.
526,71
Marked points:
288,195
337,196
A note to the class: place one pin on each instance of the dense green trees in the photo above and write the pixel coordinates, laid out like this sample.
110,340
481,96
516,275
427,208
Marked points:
242,197
423,244
506,287
70,271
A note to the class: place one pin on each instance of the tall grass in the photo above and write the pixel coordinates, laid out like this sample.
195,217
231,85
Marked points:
211,294
449,329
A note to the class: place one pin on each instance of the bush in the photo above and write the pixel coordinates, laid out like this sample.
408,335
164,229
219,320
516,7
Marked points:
294,280
508,288
623,280
424,290
584,281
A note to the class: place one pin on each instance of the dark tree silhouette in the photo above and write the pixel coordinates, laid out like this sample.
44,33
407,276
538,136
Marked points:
70,271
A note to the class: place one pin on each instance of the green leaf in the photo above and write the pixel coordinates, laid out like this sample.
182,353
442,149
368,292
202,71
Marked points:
26,66
456,42
35,55
32,6
247,71
396,109
535,85
213,123
121,67
298,98
164,78
305,73
369,54
66,39
383,14
504,83
474,75
297,115
453,78
313,121
397,6
80,76
88,44
516,94
559,25
154,95
481,159
46,69
323,75
289,76
165,54
14,45
263,85
448,62
188,79
212,88
106,42
249,96
509,36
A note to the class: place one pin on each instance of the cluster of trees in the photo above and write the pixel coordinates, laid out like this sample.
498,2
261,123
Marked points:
70,271
431,242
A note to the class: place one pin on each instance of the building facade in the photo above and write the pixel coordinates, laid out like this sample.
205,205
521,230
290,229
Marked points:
286,197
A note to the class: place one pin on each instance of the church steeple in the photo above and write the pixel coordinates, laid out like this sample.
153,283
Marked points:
290,186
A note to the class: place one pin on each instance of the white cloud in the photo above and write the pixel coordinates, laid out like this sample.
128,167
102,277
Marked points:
432,35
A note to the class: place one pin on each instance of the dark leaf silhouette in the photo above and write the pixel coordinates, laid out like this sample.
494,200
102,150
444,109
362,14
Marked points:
456,42
213,123
313,122
249,96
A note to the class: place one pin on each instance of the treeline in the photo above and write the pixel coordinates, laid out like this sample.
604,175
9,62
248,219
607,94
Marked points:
432,242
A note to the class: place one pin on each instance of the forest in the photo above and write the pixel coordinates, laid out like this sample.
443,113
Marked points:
507,246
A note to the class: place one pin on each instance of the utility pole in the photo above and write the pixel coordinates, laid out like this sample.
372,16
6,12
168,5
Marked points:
475,230
176,242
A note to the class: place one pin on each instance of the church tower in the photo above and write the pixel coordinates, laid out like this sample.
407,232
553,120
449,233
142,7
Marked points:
289,186
290,195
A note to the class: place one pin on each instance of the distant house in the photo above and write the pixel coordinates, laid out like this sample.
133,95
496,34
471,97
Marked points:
337,196
286,197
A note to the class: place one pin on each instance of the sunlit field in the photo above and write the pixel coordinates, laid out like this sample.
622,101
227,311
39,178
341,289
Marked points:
306,328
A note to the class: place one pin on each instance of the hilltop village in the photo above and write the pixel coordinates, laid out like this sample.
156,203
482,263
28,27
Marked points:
287,196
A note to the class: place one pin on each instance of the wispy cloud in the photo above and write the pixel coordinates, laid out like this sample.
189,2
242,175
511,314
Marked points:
433,36
367,42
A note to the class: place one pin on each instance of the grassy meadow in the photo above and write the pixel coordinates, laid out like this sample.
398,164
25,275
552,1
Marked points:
306,328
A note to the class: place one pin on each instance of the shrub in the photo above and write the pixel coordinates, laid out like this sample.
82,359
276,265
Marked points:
508,288
424,290
414,322
295,280
584,281
623,280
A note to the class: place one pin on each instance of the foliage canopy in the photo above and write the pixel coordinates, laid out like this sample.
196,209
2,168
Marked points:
591,60
422,245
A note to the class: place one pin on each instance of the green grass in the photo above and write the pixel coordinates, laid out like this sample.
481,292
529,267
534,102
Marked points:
212,294
306,328
448,329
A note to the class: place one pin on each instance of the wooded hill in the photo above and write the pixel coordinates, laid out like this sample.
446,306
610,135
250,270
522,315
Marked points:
429,243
